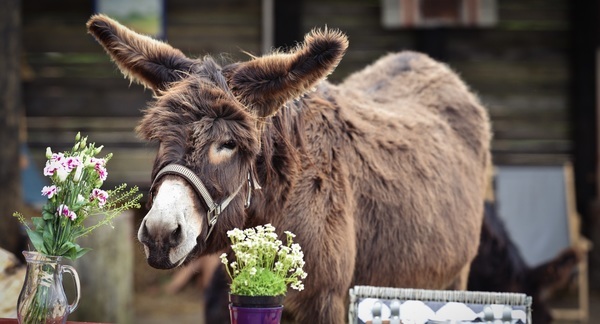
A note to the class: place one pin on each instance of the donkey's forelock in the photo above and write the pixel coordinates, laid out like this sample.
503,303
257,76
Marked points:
202,93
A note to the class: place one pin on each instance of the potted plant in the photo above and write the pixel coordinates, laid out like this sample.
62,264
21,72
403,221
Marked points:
261,269
73,197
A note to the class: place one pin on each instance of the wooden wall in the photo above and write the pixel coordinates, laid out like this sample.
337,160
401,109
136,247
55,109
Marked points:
518,67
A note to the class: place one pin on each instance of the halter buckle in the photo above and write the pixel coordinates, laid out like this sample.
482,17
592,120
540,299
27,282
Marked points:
213,214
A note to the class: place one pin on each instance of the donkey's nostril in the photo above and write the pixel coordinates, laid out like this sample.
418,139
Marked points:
144,235
176,237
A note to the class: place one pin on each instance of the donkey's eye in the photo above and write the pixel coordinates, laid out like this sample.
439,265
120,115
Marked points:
229,145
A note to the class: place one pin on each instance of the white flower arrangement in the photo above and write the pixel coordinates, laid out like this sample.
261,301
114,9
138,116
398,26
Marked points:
263,265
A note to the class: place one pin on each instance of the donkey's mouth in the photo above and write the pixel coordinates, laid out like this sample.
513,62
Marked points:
160,258
163,262
160,264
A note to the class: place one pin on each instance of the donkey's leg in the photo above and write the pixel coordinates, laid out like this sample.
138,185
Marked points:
460,282
323,308
325,299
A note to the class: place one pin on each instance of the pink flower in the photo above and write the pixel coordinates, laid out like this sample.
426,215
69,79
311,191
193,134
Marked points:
100,195
63,210
50,168
99,166
57,157
54,164
64,166
97,162
102,172
49,191
71,163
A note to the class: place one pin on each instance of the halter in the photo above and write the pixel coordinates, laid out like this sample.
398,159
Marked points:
214,209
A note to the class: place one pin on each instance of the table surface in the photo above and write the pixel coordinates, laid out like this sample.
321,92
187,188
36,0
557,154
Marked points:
14,320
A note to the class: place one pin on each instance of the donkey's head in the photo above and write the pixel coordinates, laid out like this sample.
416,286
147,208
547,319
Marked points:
206,119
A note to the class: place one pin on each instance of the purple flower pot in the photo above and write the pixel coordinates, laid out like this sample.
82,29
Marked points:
249,315
255,309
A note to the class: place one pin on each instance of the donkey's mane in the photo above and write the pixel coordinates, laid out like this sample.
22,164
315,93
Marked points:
283,143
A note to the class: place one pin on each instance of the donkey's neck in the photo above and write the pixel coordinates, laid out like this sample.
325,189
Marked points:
279,165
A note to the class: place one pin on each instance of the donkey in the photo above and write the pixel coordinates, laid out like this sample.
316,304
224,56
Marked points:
499,266
381,177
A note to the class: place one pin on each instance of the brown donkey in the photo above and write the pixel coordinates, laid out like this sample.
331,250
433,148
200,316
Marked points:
382,177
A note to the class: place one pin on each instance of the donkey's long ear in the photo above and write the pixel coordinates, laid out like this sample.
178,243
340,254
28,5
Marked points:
150,62
266,83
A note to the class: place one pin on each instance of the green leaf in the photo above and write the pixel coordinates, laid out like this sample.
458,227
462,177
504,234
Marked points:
46,215
65,248
76,251
81,252
72,254
38,222
37,240
48,237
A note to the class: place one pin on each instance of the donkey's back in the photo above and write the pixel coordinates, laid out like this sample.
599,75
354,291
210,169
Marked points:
417,152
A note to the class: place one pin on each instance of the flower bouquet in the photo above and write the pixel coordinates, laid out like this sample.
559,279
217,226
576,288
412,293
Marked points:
260,272
73,196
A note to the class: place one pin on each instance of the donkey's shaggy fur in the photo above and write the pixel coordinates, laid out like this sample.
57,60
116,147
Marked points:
382,177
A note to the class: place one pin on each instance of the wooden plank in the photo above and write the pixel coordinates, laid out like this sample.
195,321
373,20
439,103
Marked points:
530,159
521,105
84,97
515,76
60,131
505,44
70,65
32,8
46,37
528,129
503,146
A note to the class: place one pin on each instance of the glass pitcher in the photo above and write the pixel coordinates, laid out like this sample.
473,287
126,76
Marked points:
42,298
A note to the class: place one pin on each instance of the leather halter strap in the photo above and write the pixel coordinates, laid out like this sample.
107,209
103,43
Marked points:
213,209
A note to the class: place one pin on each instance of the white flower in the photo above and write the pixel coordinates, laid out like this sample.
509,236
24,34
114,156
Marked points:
49,191
278,266
62,174
223,258
297,286
78,173
253,271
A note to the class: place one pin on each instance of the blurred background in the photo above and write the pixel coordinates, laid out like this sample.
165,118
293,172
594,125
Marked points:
533,63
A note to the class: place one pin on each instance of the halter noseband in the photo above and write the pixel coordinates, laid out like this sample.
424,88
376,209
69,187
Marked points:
213,209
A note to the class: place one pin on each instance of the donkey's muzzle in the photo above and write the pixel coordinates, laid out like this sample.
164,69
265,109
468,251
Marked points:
158,246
